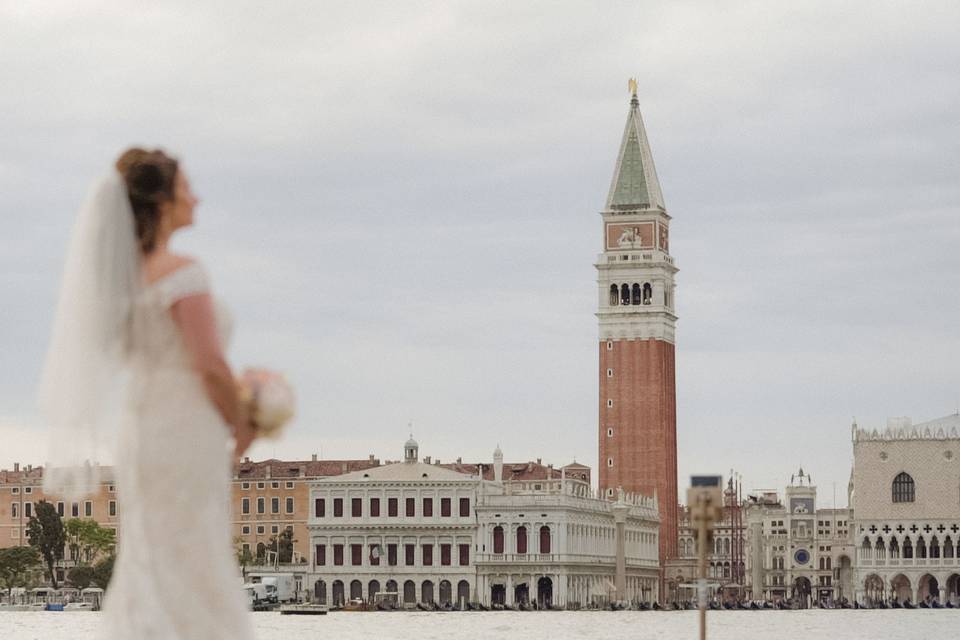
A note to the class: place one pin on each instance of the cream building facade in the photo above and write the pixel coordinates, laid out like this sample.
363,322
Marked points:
906,505
518,534
797,551
403,532
554,542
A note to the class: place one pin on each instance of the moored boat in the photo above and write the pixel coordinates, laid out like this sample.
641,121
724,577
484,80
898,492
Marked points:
304,609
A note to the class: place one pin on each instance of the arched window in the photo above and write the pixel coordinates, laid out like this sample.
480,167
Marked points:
446,592
614,295
903,488
521,539
625,294
409,592
934,547
498,539
647,293
829,563
880,549
921,547
545,539
636,293
907,548
463,592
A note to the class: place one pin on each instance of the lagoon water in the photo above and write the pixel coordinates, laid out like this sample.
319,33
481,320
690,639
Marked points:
560,625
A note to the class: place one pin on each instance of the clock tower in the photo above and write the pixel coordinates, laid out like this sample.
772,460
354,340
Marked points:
637,318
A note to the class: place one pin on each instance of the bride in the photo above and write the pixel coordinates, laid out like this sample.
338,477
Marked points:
135,316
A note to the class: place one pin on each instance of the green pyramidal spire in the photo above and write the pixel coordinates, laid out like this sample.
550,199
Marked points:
635,184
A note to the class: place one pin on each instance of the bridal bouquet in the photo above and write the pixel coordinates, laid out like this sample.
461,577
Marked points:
269,399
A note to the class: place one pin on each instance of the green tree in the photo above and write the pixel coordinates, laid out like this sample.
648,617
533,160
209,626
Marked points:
46,534
81,577
103,571
15,565
87,540
244,557
282,545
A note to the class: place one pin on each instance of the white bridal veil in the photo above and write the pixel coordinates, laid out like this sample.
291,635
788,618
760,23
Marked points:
82,377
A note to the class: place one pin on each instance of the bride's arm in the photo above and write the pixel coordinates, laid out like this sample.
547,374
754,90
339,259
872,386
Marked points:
195,317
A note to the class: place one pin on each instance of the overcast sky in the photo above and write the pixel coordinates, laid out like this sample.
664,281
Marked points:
400,204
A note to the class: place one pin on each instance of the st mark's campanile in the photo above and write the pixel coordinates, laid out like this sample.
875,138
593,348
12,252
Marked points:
635,273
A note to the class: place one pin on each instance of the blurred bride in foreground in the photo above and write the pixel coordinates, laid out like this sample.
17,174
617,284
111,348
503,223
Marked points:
139,342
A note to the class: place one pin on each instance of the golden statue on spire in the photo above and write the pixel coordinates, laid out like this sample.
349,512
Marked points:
632,86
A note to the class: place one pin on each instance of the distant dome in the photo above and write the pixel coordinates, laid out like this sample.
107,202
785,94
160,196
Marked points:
411,443
497,453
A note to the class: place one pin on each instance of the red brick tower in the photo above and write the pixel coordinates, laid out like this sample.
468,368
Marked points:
638,399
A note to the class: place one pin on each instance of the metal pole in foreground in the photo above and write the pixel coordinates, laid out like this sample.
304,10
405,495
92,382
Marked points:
702,581
705,500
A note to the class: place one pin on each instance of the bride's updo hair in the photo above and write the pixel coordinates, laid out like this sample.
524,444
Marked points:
150,178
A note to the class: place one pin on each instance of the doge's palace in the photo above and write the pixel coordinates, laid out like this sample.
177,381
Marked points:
906,509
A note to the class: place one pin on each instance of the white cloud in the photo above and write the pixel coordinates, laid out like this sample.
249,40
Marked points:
400,205
21,443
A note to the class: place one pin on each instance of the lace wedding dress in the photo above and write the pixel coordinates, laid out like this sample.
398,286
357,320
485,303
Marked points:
176,576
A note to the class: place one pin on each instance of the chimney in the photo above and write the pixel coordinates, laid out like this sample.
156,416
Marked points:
426,459
313,458
459,460
16,466
343,467
302,472
371,458
539,461
268,471
246,459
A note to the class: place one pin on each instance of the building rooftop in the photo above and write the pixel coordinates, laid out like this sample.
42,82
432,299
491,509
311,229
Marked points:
274,468
30,474
405,472
519,471
945,428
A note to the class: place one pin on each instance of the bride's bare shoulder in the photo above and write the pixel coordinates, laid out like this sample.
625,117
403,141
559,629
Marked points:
161,265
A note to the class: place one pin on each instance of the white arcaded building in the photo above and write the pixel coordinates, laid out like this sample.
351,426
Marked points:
418,531
906,510
553,541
